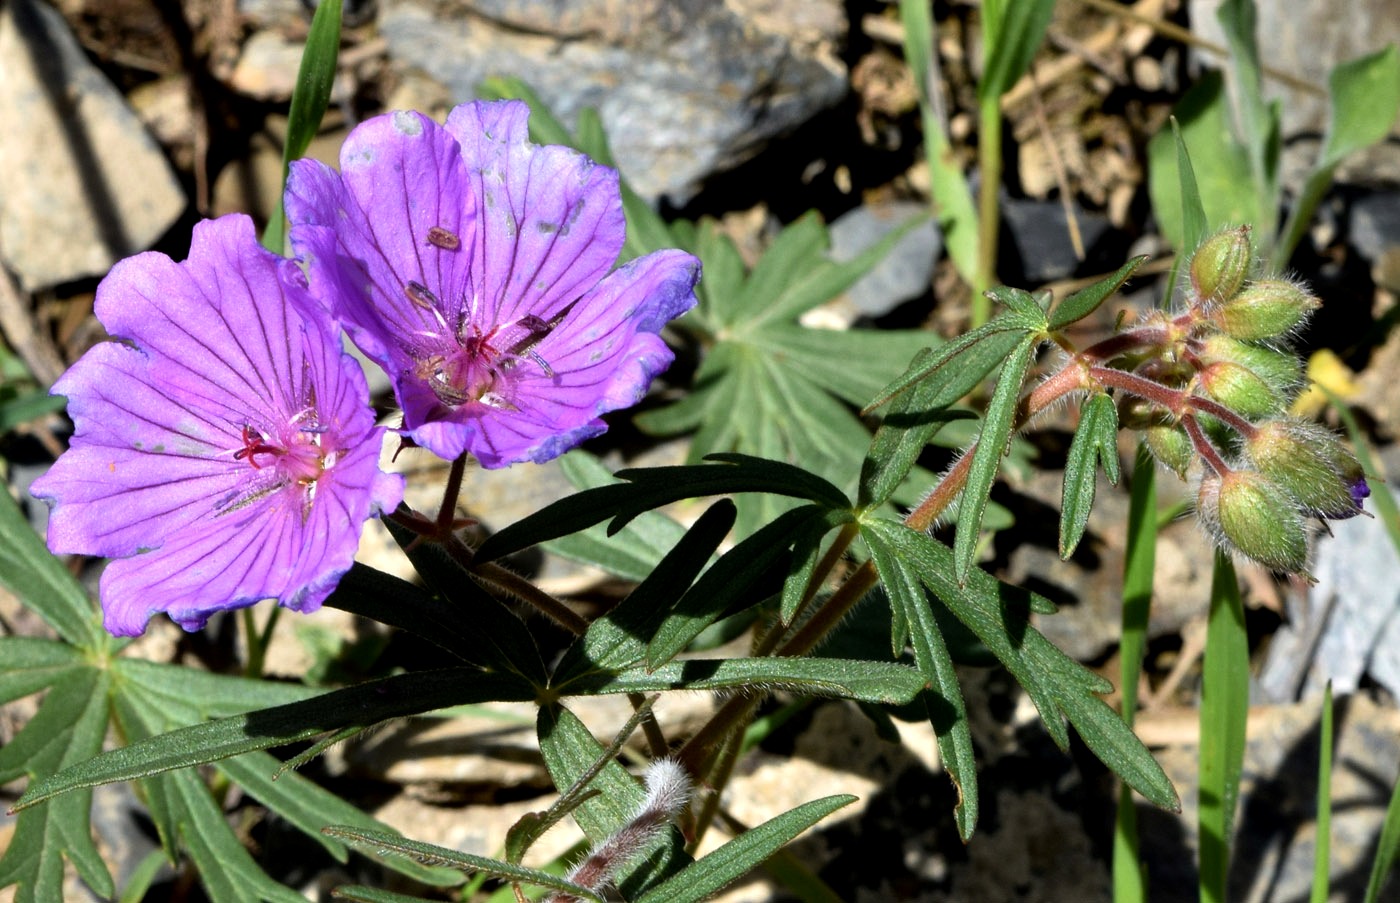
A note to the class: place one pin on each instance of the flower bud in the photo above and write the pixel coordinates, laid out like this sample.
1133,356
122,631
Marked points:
1170,445
1282,370
1255,517
1240,389
1220,265
1311,465
1265,309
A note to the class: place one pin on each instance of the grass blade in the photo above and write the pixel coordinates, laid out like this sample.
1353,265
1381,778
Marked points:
1323,849
1224,707
1140,560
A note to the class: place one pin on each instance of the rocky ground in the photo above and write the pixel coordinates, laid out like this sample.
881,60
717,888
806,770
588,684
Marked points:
132,119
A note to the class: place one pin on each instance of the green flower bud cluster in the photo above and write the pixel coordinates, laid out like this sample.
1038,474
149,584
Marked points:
1221,381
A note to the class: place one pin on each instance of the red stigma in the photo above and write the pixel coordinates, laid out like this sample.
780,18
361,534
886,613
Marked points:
253,445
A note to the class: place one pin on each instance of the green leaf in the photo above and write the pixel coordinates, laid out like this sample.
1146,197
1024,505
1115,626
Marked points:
1011,33
202,694
986,457
1085,301
944,699
1021,306
959,366
806,547
1129,877
227,873
795,275
1096,440
1258,126
998,613
68,728
310,807
909,425
1365,98
428,854
852,364
29,664
619,638
570,752
951,196
709,875
361,894
1387,847
310,96
366,704
456,628
652,487
1224,708
632,552
29,572
493,635
29,406
1218,168
727,587
883,682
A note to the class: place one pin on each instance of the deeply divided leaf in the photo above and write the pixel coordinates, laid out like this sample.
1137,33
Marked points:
986,457
1096,440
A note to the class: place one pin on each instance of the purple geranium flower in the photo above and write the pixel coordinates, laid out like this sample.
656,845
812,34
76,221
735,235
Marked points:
473,266
225,452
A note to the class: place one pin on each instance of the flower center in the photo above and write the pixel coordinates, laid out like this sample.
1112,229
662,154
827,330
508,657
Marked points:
472,365
294,456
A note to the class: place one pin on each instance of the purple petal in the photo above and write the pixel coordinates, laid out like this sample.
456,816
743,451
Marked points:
369,231
228,450
551,221
603,356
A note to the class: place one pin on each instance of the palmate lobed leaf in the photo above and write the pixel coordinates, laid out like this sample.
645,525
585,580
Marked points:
650,488
915,623
47,588
619,638
1095,441
68,728
865,681
998,613
986,457
364,704
430,854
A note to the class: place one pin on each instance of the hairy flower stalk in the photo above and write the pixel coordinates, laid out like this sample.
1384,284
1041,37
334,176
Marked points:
668,792
477,269
225,451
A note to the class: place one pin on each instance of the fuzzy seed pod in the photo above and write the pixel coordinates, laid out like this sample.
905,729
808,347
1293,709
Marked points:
1220,266
1311,465
1265,309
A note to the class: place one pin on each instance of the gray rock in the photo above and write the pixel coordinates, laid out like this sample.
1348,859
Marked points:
1307,40
1375,224
901,275
685,88
83,183
1040,232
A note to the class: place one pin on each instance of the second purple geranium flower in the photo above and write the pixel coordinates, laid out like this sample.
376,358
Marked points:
474,267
